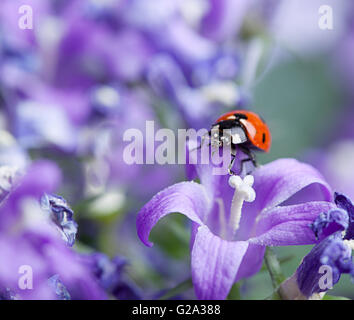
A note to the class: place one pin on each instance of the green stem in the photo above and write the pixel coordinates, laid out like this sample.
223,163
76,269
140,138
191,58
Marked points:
180,288
281,261
273,267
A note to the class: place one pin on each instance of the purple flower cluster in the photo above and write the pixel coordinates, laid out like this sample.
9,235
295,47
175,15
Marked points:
88,71
72,84
38,231
28,238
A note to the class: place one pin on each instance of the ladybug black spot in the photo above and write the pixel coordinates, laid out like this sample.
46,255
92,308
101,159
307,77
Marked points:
241,116
263,137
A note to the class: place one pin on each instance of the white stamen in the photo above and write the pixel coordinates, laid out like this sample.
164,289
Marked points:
349,243
222,218
243,192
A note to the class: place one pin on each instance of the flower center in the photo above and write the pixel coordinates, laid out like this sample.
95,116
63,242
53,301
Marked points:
243,192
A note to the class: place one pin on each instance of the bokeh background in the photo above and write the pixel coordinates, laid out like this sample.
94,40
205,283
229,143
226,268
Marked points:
90,69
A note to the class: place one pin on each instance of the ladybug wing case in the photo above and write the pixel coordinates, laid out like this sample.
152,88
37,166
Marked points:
238,135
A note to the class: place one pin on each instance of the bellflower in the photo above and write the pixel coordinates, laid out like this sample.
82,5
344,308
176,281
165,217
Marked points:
229,236
334,230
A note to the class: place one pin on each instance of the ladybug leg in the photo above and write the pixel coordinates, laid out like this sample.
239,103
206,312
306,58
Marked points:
250,157
233,158
202,142
204,137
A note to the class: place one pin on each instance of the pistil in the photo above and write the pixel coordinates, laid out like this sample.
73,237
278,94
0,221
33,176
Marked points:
243,192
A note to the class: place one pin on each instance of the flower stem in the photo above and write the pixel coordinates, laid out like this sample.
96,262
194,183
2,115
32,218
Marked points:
180,288
273,267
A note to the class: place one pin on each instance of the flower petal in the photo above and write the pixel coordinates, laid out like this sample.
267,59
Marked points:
61,214
329,222
215,263
289,225
332,253
188,198
251,262
279,180
42,176
345,203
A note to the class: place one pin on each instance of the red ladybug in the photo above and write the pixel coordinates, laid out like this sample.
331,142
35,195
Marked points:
246,130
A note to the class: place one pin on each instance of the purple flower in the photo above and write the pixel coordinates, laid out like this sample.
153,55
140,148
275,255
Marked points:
8,175
111,277
59,288
7,294
226,247
40,176
224,18
224,66
62,216
27,238
345,204
9,17
11,154
329,222
106,142
40,124
211,85
331,252
335,229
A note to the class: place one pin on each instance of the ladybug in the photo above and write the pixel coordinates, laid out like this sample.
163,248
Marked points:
244,130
